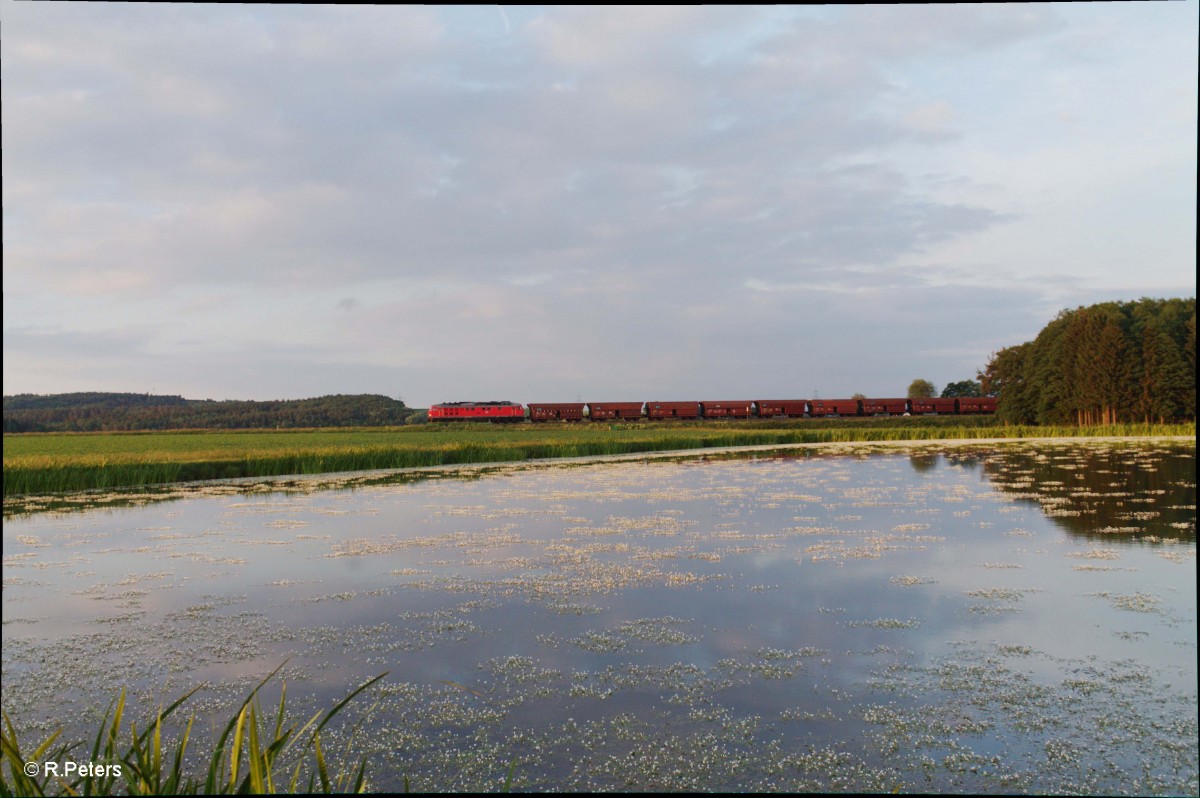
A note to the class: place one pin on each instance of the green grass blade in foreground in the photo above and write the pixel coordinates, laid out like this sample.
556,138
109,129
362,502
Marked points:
143,770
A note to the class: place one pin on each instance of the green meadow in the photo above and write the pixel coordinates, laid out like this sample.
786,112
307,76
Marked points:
42,463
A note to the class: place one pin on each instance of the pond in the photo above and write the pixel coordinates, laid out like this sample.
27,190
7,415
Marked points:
1007,618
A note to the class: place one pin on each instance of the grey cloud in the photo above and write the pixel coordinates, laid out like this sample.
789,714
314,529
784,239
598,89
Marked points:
373,163
921,31
55,344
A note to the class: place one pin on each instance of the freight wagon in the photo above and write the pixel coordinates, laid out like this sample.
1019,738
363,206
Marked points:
884,407
736,409
560,411
782,408
606,411
661,410
834,407
977,404
924,407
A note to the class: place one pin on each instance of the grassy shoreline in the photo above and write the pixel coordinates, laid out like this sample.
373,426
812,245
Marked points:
50,463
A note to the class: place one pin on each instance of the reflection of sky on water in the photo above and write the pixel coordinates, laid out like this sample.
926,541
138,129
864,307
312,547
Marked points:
784,585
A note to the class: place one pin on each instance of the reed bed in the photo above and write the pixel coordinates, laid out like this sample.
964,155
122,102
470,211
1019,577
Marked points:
37,464
255,755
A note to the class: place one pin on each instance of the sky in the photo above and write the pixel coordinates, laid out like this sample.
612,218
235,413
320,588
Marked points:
543,203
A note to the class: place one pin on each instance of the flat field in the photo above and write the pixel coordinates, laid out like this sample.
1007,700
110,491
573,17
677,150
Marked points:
41,463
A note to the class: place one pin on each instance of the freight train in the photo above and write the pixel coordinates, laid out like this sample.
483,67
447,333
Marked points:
742,408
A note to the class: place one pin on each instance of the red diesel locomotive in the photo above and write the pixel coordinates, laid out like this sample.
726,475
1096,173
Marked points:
477,411
742,408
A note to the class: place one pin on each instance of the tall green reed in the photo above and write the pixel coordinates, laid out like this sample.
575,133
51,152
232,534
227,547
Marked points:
59,474
252,756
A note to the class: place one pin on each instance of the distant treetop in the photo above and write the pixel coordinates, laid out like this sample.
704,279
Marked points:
962,388
921,389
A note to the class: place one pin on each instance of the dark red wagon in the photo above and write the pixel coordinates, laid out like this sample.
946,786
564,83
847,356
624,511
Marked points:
665,410
787,408
556,411
977,404
884,407
607,411
932,406
738,408
834,407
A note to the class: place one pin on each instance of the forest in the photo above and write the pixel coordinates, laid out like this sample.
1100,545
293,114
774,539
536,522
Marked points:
1102,364
102,412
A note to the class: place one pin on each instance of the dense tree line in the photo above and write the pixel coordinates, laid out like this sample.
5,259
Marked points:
1101,364
94,412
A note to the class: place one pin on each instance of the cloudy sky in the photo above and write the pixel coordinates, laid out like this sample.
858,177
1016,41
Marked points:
574,204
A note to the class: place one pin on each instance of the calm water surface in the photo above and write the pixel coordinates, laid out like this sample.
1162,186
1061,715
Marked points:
1014,619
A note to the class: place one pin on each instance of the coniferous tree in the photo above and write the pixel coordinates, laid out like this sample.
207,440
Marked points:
1110,365
1047,374
1165,381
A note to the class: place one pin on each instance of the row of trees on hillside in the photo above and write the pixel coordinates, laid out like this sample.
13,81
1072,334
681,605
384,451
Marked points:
1101,364
95,412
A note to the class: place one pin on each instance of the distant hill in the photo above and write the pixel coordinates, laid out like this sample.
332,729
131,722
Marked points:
93,412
